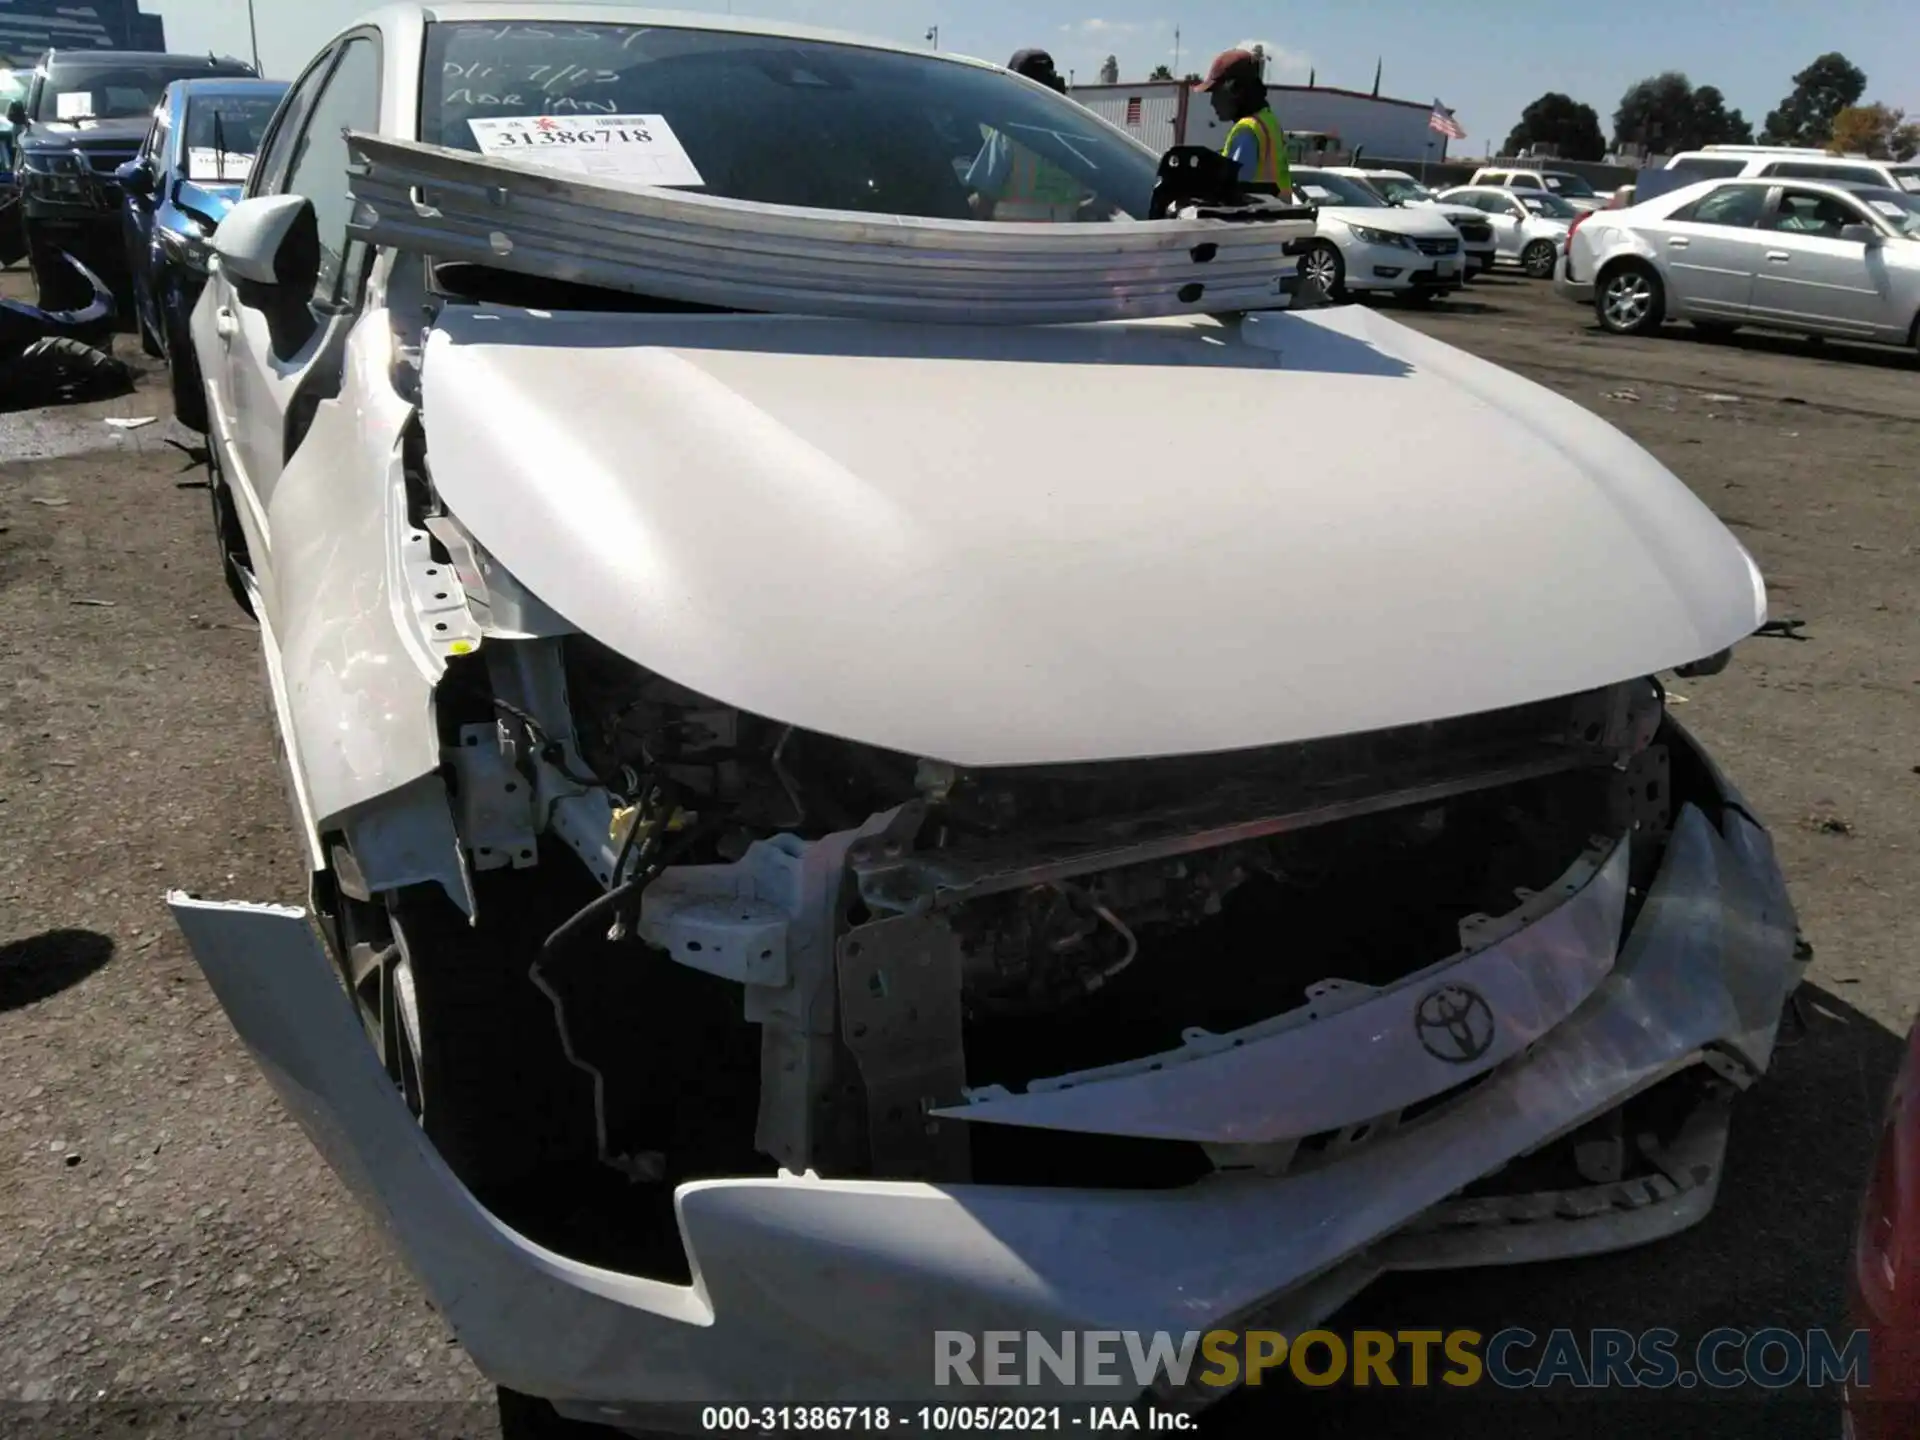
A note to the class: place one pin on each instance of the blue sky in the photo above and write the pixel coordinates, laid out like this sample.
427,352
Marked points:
1485,60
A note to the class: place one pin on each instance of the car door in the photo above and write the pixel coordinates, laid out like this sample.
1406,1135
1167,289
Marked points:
1507,216
1708,251
141,212
1812,279
269,363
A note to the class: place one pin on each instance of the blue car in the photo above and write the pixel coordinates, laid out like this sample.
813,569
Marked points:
192,168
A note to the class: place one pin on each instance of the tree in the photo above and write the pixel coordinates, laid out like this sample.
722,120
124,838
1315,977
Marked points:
1558,120
1110,70
1820,92
1161,72
1666,115
1875,130
1715,124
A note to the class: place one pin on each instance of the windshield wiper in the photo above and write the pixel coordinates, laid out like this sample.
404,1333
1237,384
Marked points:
220,144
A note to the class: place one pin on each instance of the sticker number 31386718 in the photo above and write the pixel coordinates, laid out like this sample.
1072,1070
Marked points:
630,147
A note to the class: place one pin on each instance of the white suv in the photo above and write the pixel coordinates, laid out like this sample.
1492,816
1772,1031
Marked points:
1727,162
1568,186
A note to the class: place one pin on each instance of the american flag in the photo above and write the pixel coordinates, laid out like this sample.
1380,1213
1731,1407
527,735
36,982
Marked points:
1443,121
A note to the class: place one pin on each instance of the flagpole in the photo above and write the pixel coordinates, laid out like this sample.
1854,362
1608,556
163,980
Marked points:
253,26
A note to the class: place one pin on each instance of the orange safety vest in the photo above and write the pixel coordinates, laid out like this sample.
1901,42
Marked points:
1274,168
1037,190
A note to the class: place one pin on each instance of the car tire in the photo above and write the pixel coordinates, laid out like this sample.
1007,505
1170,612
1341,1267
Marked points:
183,365
1629,299
228,536
1324,269
464,1033
1538,259
527,1417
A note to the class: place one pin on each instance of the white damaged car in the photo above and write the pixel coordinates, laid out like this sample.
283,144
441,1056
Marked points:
860,777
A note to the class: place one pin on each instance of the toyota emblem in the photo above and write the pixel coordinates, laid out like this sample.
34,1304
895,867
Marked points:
1455,1024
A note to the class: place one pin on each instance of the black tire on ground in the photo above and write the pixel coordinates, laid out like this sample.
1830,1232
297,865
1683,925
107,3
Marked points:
230,539
183,367
1324,269
1538,259
526,1417
1629,300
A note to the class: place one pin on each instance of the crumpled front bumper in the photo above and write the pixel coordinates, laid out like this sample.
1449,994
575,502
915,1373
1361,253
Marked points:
827,1290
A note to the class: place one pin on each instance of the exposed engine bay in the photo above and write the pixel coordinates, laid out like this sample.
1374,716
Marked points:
906,936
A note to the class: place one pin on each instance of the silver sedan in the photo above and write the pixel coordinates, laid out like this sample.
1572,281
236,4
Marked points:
1802,256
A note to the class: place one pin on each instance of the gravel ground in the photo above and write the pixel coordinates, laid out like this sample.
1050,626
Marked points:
173,1252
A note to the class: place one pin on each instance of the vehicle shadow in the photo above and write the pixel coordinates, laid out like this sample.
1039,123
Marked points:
1797,347
1307,348
1773,1252
41,966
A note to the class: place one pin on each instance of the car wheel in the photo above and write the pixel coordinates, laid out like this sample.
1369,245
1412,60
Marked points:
460,1027
1630,301
1323,268
1538,258
183,365
228,535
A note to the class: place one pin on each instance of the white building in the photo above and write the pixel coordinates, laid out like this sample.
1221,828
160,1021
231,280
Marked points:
1165,113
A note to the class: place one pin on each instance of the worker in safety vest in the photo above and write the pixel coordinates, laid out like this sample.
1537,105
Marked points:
1008,181
1256,143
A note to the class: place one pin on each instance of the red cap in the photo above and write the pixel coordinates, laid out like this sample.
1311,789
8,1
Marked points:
1227,65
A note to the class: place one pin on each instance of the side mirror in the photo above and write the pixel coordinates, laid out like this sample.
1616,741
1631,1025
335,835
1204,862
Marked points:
1860,235
272,241
136,177
17,115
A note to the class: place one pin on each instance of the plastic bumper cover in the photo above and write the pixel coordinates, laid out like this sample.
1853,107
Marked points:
822,1290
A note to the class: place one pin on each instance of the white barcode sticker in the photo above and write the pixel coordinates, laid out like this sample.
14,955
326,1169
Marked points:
627,147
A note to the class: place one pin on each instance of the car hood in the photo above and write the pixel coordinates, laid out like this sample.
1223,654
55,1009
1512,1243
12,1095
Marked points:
992,545
1420,222
86,134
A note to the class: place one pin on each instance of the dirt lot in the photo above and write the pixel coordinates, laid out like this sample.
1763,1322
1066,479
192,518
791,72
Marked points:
166,1235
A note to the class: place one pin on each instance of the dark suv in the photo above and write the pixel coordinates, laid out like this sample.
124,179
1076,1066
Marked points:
85,114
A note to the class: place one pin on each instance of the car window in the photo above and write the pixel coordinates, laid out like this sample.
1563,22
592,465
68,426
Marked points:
1813,170
1322,187
1896,207
1562,183
1527,182
779,121
1808,212
350,101
115,91
223,135
1553,207
270,171
1701,167
1730,205
156,147
1907,177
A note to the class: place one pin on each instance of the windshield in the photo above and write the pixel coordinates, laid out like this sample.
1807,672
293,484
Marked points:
109,92
1552,206
779,122
1398,187
223,135
1564,184
1907,177
1321,188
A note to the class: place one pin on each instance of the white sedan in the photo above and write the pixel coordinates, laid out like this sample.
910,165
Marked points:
1398,188
829,819
1529,226
1802,256
1367,246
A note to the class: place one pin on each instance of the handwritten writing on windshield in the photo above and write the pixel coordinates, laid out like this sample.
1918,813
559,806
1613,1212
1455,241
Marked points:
604,34
510,85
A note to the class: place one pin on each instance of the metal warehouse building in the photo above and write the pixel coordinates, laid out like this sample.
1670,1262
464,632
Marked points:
29,28
1165,113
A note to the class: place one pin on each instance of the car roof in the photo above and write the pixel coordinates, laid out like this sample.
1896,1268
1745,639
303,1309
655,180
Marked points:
135,57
